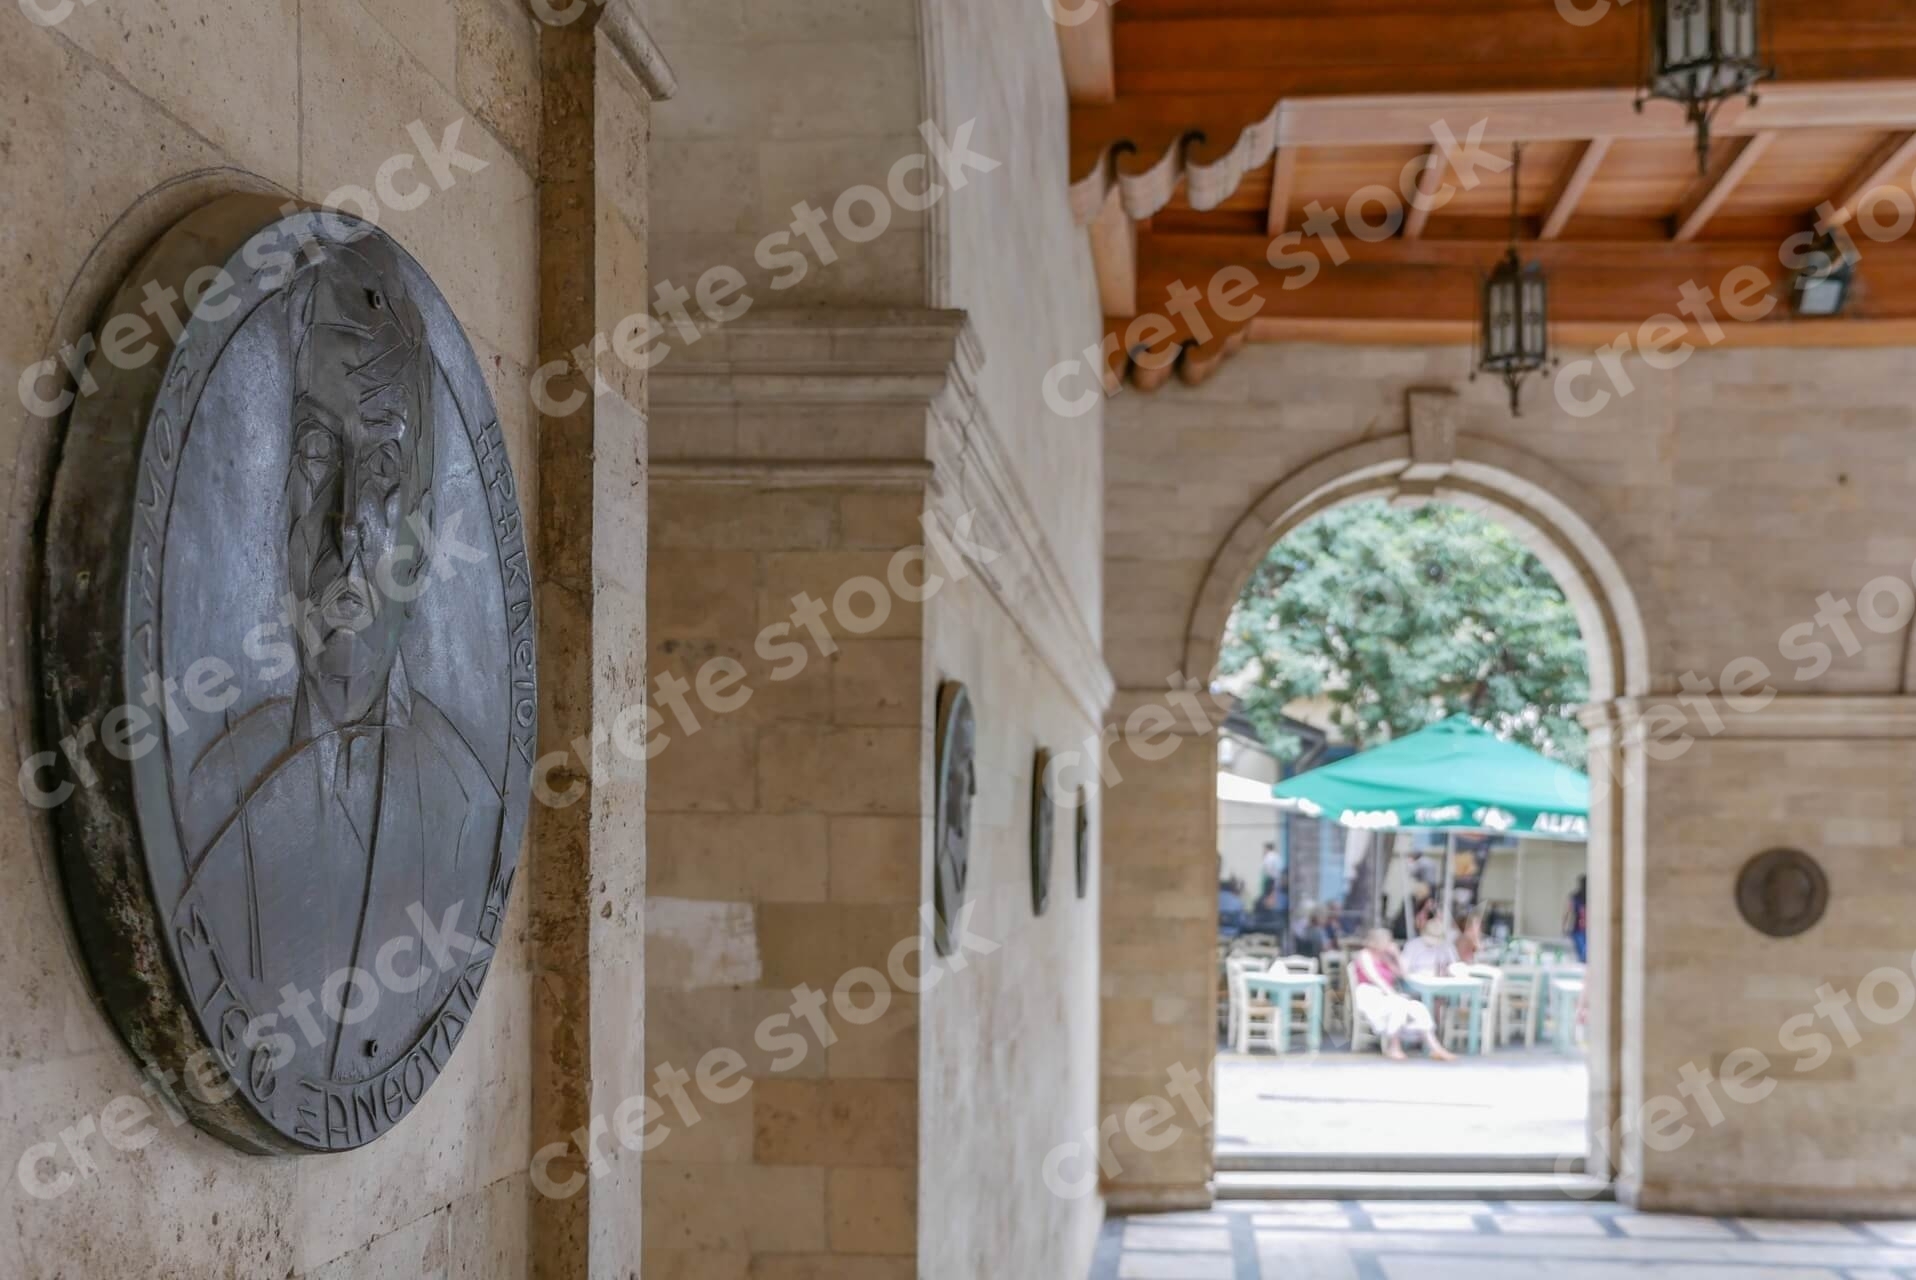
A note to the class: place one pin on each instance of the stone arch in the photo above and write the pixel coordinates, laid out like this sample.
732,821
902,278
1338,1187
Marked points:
1551,516
1540,505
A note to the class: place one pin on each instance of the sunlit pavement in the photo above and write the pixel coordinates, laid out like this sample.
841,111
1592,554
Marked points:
1517,1102
1490,1240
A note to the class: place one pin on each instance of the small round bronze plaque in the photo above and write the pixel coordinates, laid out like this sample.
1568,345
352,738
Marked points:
1083,850
1043,817
957,784
1782,892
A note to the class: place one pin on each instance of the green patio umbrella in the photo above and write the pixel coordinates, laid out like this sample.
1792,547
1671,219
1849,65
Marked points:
1452,776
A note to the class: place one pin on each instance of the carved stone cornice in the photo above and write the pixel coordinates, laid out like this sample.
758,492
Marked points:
1785,717
875,398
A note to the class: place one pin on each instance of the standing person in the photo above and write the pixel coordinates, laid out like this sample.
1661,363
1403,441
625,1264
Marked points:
1273,867
1576,919
1375,973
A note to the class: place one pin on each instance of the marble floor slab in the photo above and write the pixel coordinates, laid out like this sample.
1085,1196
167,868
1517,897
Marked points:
1489,1240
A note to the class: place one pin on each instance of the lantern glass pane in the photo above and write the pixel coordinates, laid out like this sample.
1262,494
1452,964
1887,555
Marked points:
1821,296
1535,319
1500,317
1738,24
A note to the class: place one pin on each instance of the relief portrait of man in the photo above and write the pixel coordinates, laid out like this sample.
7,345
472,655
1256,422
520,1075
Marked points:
334,821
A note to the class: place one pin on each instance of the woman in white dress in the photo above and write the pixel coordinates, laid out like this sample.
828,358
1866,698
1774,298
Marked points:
1392,1015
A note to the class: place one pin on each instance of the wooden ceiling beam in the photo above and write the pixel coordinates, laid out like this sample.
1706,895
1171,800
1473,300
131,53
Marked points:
1146,130
1708,195
1085,48
1570,189
1283,180
1889,165
1617,286
1114,256
1429,179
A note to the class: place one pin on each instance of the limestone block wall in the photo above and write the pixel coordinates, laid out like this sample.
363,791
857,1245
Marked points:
1743,494
790,837
122,117
786,842
1008,1052
1158,949
789,104
1007,252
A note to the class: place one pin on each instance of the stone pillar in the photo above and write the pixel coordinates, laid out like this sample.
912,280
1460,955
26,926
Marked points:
600,74
1159,997
1774,1071
789,814
1614,974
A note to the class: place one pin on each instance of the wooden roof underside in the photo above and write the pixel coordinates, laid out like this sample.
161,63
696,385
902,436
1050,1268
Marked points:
1202,129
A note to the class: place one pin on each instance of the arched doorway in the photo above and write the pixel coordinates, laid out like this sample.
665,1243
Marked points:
1160,816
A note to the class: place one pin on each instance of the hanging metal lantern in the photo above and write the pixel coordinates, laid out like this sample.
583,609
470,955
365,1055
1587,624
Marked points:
1513,311
1822,287
1702,53
1515,329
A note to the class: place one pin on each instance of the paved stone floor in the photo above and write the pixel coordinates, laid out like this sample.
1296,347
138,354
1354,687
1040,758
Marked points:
1491,1241
1517,1102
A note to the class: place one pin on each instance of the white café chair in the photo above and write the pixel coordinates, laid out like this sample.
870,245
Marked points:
1362,1036
1491,974
1547,1000
1518,1006
1249,1018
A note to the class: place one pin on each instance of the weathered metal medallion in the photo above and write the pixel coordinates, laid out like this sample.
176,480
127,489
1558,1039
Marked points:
1043,818
1083,850
287,617
1782,892
957,784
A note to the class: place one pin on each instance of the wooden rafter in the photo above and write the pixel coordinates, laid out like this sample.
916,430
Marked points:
1114,255
1710,193
1597,289
1148,156
1085,49
1429,179
1576,180
1890,165
1283,179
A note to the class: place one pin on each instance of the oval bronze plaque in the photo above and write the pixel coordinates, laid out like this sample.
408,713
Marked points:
1782,892
957,784
1083,850
288,611
1043,818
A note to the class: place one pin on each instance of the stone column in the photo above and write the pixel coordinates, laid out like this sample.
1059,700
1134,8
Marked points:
789,814
1614,973
1159,999
600,74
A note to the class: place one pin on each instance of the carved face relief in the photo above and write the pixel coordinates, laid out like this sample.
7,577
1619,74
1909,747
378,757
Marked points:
335,819
359,476
1782,892
957,785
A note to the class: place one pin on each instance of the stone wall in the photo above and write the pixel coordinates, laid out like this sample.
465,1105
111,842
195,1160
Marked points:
1735,492
123,117
792,431
786,839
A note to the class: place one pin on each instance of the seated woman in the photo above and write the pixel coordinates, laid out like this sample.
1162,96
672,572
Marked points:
1392,1015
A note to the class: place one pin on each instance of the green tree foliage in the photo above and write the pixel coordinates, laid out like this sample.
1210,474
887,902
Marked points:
1398,618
